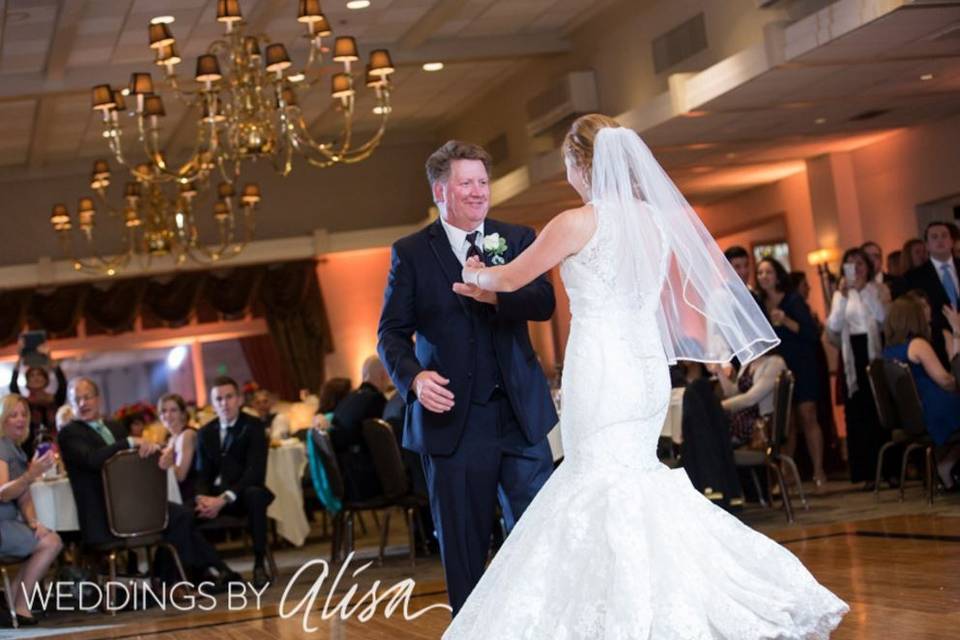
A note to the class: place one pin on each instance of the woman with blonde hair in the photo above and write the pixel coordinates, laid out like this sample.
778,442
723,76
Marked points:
21,534
616,545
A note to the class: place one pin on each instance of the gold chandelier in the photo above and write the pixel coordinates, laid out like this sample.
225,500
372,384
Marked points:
249,112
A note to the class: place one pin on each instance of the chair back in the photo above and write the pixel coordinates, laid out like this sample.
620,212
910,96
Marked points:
906,399
386,457
782,406
323,448
135,490
882,398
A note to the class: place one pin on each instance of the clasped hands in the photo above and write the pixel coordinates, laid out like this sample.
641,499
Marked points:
209,506
468,287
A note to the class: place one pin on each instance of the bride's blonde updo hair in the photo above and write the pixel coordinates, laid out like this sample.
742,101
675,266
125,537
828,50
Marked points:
578,145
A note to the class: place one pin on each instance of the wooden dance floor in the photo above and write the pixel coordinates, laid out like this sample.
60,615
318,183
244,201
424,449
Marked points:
898,572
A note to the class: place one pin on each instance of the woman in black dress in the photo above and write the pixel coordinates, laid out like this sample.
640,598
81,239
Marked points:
798,333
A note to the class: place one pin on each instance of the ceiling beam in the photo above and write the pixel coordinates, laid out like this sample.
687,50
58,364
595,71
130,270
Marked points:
64,36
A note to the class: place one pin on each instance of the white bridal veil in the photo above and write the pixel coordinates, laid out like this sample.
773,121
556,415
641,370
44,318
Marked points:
706,313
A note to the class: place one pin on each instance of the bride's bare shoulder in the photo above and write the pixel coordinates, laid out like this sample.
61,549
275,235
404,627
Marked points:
578,219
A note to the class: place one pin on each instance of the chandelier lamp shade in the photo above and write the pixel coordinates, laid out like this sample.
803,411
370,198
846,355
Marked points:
245,94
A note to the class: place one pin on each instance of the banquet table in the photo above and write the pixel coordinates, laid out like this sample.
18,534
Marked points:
285,467
57,510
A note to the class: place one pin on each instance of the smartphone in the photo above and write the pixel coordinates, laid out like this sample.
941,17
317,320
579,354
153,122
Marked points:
29,354
849,272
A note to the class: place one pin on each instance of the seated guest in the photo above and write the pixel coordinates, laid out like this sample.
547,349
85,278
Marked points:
21,534
43,404
346,431
178,454
939,278
749,398
706,452
278,425
232,467
332,393
907,330
85,445
856,316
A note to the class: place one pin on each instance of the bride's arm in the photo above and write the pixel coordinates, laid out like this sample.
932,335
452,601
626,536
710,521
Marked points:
565,235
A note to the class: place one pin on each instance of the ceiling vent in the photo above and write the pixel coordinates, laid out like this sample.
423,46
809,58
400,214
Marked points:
574,95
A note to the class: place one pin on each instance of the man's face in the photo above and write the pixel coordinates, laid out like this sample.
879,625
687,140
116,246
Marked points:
226,402
939,242
85,401
742,267
465,195
876,256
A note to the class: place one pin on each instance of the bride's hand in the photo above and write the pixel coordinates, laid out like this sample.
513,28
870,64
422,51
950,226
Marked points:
471,270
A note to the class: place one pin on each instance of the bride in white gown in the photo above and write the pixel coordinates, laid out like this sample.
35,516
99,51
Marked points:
616,545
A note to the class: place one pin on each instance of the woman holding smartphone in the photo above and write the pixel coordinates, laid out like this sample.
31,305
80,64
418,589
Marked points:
855,324
21,534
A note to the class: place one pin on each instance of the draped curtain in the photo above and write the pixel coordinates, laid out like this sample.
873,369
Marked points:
288,294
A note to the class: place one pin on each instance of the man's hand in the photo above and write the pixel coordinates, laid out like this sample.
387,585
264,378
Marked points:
209,506
475,292
432,392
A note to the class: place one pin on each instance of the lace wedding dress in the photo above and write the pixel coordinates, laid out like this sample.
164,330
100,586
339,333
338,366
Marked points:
616,545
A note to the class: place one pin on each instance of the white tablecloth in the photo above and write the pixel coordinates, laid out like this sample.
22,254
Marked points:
57,510
285,467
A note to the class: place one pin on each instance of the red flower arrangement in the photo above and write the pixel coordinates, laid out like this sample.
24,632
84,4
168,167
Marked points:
143,410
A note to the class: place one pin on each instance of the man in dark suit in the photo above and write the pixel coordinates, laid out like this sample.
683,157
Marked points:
478,404
231,468
346,431
86,444
938,278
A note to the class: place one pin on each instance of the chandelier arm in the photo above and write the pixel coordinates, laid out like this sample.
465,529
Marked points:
186,96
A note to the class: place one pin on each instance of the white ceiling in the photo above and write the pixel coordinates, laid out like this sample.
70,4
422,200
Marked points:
53,51
840,95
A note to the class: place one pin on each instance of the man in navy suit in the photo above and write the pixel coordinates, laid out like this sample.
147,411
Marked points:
939,278
478,405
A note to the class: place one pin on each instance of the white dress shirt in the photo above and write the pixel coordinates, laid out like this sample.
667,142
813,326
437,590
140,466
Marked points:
458,240
938,265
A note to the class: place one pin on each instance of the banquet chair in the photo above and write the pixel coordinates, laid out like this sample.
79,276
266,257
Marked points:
911,426
342,534
388,463
135,491
228,522
772,458
887,413
7,561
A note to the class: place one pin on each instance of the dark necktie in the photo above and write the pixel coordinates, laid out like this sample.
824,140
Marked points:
228,438
473,251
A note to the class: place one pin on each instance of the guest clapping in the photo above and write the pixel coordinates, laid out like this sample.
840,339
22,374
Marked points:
21,534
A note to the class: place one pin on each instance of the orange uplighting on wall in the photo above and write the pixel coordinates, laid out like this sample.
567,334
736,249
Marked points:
352,283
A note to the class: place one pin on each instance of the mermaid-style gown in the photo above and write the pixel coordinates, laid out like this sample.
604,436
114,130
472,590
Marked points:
616,545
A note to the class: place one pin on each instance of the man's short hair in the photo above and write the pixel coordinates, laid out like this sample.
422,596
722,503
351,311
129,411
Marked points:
225,381
938,223
736,251
72,386
438,164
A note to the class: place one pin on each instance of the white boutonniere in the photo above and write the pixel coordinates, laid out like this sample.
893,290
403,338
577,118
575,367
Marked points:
496,247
